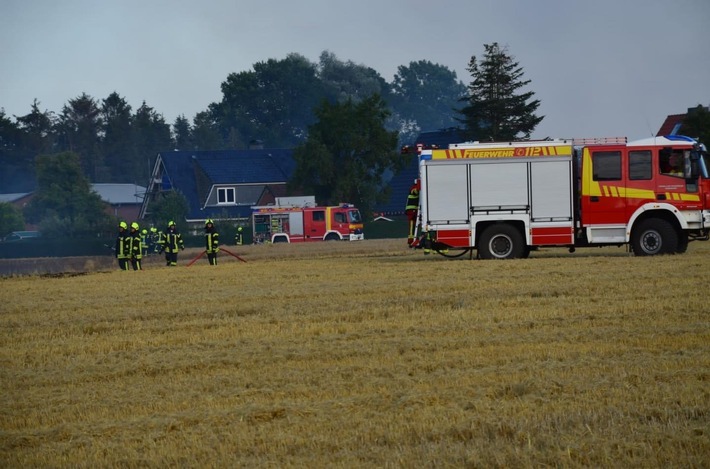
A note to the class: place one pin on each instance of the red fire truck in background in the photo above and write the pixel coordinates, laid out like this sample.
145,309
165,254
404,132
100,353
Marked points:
505,199
295,220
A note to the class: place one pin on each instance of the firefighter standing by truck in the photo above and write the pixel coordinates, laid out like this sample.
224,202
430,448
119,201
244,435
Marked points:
122,248
211,242
173,243
412,209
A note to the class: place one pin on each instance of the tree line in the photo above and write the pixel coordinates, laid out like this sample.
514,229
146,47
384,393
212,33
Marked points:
341,118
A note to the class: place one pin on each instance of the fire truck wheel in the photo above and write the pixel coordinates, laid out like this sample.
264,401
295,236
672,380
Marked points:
654,236
332,237
501,241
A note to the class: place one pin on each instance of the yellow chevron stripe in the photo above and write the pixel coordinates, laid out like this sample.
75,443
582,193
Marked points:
690,197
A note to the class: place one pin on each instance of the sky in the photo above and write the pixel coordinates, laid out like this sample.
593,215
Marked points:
600,68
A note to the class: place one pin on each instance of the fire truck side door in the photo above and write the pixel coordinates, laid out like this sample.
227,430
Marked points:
315,224
603,200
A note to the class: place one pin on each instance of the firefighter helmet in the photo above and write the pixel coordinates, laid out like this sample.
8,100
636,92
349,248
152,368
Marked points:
123,225
144,231
239,229
153,229
209,222
171,223
134,225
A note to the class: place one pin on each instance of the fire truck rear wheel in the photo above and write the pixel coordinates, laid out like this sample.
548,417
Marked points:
501,241
653,237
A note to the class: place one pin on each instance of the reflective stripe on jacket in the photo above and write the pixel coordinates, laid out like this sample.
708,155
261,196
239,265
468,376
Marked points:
211,241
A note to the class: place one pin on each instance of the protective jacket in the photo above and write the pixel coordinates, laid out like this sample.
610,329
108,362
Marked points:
122,249
211,240
173,241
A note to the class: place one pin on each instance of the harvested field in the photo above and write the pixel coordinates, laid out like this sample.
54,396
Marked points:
359,355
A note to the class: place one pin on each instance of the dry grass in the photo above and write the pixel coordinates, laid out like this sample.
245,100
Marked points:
361,355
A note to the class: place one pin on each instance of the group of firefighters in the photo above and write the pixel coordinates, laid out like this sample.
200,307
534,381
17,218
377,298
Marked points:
132,245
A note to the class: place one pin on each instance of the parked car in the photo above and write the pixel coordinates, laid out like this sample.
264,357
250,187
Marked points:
20,235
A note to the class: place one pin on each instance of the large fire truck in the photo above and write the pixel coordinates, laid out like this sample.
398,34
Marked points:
294,221
506,199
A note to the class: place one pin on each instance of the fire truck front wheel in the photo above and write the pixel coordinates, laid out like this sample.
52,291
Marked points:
501,241
654,236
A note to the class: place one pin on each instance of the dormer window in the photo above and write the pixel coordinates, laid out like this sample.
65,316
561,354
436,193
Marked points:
225,195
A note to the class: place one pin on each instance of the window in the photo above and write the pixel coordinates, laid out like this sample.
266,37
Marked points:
340,217
607,165
670,162
225,195
640,165
355,216
319,215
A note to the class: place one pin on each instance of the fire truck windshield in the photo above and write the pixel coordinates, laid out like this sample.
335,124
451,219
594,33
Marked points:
704,165
354,216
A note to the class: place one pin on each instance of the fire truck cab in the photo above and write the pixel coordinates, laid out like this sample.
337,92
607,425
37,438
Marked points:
505,199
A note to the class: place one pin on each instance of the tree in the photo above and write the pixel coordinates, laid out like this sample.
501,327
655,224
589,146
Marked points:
205,131
20,143
80,127
425,97
182,134
273,103
37,131
346,154
170,206
64,204
696,124
346,80
17,170
11,219
117,134
151,135
495,109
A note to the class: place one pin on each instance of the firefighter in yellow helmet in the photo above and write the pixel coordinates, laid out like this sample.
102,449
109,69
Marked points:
136,246
412,209
122,248
211,242
173,243
239,237
144,242
154,240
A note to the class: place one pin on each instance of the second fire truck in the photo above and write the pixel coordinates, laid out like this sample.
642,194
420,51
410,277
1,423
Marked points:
506,199
295,221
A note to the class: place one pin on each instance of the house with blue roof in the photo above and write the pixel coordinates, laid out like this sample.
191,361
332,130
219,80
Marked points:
221,184
225,184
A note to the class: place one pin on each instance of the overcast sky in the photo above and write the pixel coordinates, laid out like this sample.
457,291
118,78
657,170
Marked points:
599,67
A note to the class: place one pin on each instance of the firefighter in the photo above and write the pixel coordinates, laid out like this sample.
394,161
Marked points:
122,249
155,240
239,237
172,243
211,242
144,242
135,246
412,209
161,245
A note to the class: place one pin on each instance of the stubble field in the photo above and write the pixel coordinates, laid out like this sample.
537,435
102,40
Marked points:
360,355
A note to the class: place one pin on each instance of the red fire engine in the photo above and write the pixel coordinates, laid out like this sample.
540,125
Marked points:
505,199
289,223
